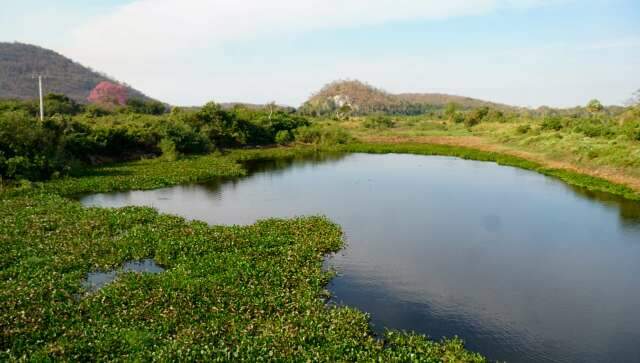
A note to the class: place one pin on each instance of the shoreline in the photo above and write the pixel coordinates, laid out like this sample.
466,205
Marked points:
621,185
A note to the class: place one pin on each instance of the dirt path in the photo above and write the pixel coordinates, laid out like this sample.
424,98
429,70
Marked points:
614,175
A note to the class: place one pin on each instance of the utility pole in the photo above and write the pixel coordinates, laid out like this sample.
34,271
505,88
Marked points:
40,76
41,100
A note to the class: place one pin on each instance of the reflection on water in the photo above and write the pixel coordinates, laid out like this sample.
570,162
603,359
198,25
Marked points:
97,280
524,268
629,209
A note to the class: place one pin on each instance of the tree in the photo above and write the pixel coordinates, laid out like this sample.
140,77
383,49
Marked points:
108,94
450,110
344,112
594,106
476,116
136,105
60,104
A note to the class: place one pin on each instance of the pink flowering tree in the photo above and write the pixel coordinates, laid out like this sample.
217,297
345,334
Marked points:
108,94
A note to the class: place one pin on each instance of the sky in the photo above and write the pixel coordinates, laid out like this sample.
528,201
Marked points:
558,53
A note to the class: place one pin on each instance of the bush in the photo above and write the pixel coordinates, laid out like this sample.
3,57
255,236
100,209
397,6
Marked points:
269,125
451,110
168,149
37,150
92,111
186,139
29,107
322,135
552,123
145,107
458,117
523,129
379,122
631,129
284,137
476,116
57,104
595,128
29,148
496,116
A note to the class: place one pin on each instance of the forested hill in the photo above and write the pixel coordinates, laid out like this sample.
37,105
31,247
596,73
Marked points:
362,98
19,62
441,99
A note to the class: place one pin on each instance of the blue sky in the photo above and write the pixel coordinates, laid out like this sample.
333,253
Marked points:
527,52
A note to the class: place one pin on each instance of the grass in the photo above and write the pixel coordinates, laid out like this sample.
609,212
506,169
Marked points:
229,293
591,152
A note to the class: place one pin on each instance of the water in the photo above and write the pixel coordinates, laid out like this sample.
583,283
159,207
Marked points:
97,280
523,267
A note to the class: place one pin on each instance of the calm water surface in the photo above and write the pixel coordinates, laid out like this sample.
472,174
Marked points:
99,279
523,267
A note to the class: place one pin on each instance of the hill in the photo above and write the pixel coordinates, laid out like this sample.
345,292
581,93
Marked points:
442,99
19,62
363,99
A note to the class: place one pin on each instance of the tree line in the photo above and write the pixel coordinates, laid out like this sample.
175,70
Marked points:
74,135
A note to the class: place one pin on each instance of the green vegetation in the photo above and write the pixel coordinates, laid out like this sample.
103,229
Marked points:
77,135
379,122
228,293
323,135
594,140
235,293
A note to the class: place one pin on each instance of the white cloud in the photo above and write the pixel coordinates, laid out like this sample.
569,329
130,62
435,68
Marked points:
177,51
162,26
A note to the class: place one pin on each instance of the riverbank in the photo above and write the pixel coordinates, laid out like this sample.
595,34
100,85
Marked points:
611,155
611,173
228,292
566,173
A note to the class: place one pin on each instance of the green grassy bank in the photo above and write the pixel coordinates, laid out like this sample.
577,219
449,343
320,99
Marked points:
229,293
569,177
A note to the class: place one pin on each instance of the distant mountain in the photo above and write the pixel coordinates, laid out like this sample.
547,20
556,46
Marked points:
19,62
364,99
442,99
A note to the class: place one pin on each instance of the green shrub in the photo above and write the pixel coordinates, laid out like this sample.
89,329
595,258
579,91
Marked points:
451,110
458,117
476,116
595,129
495,115
186,139
57,104
168,149
135,105
552,123
631,129
29,107
93,110
523,129
322,135
29,148
379,122
284,137
36,150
